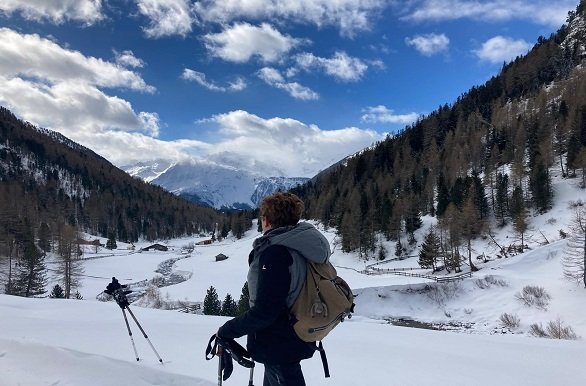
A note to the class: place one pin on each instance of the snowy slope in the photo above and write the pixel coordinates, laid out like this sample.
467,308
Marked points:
91,338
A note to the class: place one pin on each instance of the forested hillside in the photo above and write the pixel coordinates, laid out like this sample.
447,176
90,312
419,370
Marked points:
52,188
484,160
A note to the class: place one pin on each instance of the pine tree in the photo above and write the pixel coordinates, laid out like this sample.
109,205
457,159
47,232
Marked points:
502,198
45,238
540,186
443,195
382,252
111,243
399,248
229,307
412,219
244,301
211,304
430,250
57,292
517,202
31,278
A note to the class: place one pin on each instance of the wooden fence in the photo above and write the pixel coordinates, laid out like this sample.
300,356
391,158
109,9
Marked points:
403,272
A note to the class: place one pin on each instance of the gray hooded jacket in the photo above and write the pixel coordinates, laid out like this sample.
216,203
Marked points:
303,241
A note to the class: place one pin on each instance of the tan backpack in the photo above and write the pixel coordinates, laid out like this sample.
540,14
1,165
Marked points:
325,300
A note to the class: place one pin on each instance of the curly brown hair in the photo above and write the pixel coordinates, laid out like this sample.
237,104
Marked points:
282,209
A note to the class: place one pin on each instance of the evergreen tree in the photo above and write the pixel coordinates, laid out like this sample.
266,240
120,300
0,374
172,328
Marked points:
57,292
399,248
430,250
382,252
541,189
45,238
31,278
229,306
443,195
517,202
479,196
211,304
502,198
111,243
412,219
244,301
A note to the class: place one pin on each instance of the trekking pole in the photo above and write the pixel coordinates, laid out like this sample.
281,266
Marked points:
143,333
220,364
130,334
250,380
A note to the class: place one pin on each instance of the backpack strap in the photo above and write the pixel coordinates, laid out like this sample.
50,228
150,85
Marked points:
324,359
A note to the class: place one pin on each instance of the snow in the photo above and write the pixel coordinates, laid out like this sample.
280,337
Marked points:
85,342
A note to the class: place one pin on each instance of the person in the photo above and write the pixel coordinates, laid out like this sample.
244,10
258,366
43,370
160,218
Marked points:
277,271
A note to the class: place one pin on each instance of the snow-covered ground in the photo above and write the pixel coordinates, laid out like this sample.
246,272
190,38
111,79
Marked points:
85,342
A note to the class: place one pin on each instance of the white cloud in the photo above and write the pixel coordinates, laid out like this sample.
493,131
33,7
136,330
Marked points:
124,148
70,106
60,89
350,16
150,123
429,44
242,137
274,78
33,56
546,12
270,140
502,49
240,42
167,17
55,11
127,59
199,77
341,65
381,114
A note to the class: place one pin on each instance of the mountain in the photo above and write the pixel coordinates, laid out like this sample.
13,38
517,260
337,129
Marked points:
484,161
47,180
148,171
269,185
217,185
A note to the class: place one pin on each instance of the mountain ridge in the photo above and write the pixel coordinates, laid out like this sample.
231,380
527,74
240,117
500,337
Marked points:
212,184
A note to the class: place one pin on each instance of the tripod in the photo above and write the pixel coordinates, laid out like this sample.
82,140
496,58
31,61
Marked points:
120,297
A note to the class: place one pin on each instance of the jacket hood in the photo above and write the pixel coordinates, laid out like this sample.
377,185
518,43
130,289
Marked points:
303,238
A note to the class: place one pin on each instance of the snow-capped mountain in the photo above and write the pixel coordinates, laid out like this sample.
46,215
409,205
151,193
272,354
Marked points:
213,184
148,171
269,185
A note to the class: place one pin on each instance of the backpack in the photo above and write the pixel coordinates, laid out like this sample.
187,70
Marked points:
325,300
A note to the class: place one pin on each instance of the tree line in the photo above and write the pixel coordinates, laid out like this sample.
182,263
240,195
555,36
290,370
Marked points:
52,190
486,158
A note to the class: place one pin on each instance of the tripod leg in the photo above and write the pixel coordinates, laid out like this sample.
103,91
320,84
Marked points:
130,334
144,334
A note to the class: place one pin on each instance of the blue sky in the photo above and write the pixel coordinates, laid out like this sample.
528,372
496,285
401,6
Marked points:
296,85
